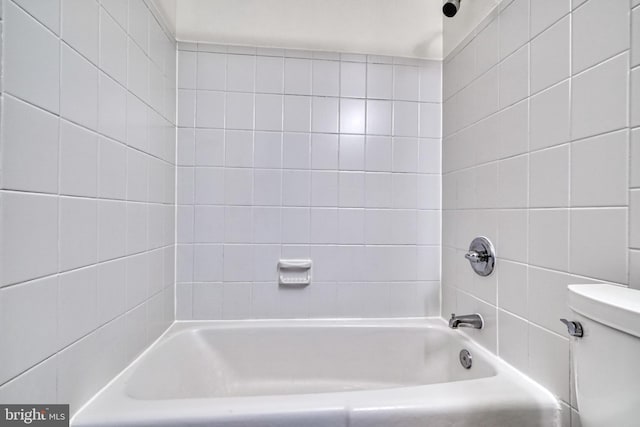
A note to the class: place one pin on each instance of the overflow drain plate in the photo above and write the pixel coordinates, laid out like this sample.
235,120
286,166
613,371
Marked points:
465,359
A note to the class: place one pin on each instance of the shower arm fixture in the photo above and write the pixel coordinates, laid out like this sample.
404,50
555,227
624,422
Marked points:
450,8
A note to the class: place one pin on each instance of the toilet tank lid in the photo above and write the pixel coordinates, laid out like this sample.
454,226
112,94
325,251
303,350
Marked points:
615,306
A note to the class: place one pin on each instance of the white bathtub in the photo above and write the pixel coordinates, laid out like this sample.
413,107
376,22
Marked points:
318,373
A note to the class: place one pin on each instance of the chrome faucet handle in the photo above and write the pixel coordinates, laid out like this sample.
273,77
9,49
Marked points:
475,257
481,256
574,328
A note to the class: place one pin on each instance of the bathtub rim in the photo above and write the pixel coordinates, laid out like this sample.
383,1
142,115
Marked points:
360,400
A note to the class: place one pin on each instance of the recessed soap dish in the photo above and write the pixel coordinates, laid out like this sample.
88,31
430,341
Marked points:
294,272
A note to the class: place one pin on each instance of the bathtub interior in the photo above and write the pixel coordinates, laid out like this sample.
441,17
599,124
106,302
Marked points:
261,360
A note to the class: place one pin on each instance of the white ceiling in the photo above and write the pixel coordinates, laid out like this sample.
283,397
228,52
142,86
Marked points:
409,28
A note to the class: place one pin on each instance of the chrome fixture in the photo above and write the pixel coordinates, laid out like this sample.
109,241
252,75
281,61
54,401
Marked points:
466,360
482,256
450,8
574,328
466,321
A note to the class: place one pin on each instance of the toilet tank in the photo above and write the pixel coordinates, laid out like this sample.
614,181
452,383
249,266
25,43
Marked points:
606,359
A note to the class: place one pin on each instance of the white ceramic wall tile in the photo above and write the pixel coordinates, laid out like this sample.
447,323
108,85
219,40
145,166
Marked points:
547,298
80,27
487,48
600,30
137,71
547,149
78,160
546,12
550,55
30,236
267,185
77,304
266,225
28,326
351,152
326,78
379,117
550,116
238,188
138,132
209,147
549,178
297,113
634,212
635,35
268,111
240,73
78,89
587,229
430,81
208,263
404,191
137,167
378,153
30,148
380,81
513,344
514,77
210,109
599,174
38,384
635,158
210,71
549,361
112,108
238,224
112,231
324,188
296,151
430,120
239,111
485,90
405,118
269,75
352,115
309,185
297,76
324,151
138,24
635,97
353,79
267,151
47,13
32,57
512,287
634,269
86,77
78,232
599,100
406,83
324,115
512,182
113,48
514,27
549,238
295,188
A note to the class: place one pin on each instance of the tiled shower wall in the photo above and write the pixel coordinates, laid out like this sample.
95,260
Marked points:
87,199
538,114
288,154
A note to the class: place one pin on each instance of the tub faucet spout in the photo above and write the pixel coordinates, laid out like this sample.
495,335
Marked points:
466,320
